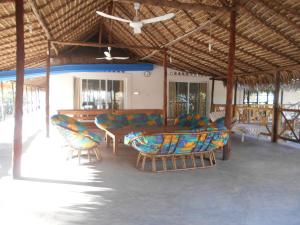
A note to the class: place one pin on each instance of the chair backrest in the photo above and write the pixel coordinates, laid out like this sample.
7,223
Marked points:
75,139
72,126
191,121
67,122
180,143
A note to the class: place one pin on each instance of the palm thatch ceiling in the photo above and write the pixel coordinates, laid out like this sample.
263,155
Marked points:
267,34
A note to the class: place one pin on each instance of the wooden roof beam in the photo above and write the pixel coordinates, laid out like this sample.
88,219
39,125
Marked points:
42,22
180,5
97,45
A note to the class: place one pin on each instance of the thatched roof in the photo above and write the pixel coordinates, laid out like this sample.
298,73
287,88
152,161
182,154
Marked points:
267,38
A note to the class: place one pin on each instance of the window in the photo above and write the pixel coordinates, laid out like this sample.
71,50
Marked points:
187,98
102,94
261,97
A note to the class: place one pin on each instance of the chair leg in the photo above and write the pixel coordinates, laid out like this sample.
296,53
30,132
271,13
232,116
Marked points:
89,154
153,164
202,160
143,162
138,159
174,162
164,163
210,158
79,156
194,161
183,162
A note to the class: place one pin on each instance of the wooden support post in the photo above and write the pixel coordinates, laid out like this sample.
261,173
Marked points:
276,111
165,104
47,88
2,102
231,56
17,146
13,94
212,95
235,98
281,98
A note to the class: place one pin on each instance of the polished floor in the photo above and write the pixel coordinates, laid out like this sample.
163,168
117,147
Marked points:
260,185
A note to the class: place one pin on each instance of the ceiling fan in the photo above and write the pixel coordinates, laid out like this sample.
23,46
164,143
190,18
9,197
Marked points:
136,23
109,57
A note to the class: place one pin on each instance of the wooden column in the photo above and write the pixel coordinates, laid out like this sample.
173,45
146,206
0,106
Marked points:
212,95
231,56
2,102
47,87
276,107
17,146
235,98
165,104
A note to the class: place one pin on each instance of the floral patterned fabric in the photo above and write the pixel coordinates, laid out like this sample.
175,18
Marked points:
75,127
191,121
177,143
111,120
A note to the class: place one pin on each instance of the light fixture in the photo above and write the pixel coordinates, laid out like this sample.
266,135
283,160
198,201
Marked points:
136,92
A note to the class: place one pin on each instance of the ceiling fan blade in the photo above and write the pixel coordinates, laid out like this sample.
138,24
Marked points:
101,58
123,58
158,18
107,54
112,17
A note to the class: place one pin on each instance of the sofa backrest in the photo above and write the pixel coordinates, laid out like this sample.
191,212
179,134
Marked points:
191,121
180,143
112,120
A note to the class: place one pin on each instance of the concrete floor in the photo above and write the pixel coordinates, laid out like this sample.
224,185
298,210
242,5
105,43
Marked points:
260,185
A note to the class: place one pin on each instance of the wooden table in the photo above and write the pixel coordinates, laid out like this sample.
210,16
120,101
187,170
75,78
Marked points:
117,134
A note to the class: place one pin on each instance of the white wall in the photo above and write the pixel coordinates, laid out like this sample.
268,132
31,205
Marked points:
150,88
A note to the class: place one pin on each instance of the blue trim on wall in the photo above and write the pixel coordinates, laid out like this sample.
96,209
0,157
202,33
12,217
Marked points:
71,68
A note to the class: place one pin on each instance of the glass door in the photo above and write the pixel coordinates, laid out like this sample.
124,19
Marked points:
102,94
187,98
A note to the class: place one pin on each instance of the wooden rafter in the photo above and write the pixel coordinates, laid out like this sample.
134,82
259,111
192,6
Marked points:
42,22
256,43
223,42
270,26
186,35
180,5
280,14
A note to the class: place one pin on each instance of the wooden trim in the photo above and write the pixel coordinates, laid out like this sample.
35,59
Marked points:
181,6
96,45
20,60
47,89
42,22
231,57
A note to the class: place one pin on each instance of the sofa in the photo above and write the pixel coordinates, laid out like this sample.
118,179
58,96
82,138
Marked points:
77,135
192,149
114,120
